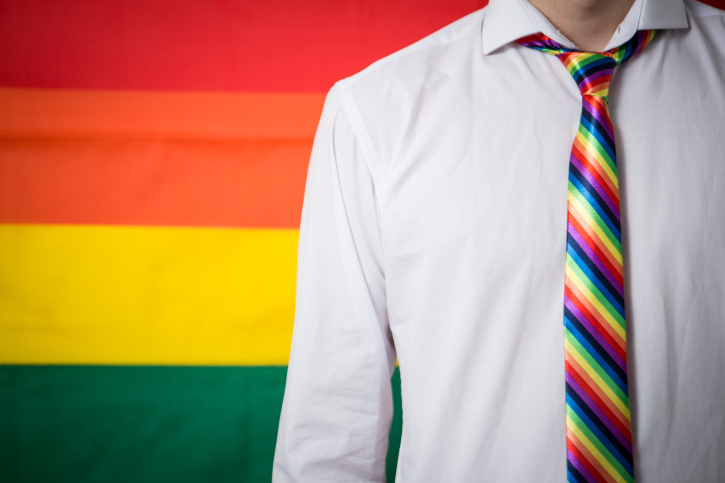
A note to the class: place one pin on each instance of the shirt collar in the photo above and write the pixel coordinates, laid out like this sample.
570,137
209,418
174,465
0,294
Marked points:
508,20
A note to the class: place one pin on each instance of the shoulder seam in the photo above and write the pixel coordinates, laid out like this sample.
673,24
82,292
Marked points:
366,144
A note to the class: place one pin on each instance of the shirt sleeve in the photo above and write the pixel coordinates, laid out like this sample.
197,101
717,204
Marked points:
338,402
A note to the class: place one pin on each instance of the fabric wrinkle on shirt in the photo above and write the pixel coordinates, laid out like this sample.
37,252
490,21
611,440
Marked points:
434,231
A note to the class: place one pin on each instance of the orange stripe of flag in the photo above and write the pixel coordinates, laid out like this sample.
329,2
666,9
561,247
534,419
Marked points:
176,182
155,158
71,112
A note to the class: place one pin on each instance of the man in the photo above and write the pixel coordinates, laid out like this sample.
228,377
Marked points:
462,214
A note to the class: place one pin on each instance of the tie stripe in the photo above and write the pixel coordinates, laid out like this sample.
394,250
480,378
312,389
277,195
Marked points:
599,435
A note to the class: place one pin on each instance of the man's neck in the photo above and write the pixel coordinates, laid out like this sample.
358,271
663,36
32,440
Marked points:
589,24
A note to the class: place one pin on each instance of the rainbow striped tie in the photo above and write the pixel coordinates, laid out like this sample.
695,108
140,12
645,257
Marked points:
598,429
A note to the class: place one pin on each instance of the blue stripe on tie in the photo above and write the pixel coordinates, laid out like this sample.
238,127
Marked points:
608,359
596,205
601,425
602,439
591,276
573,475
602,207
595,131
601,276
622,385
593,67
600,129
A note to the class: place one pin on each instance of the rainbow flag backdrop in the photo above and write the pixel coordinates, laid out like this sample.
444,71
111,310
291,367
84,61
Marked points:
153,156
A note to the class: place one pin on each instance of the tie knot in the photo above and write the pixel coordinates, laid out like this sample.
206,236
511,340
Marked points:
592,71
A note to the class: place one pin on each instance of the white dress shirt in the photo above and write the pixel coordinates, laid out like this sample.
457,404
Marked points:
434,231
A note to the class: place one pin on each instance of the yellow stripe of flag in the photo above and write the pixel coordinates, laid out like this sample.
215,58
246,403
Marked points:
146,295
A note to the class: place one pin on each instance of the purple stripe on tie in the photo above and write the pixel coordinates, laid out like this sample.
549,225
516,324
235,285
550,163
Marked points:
599,74
540,43
551,44
583,84
595,333
580,467
603,417
600,118
595,259
595,184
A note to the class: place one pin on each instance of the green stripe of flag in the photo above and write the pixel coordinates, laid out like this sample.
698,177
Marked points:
113,424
